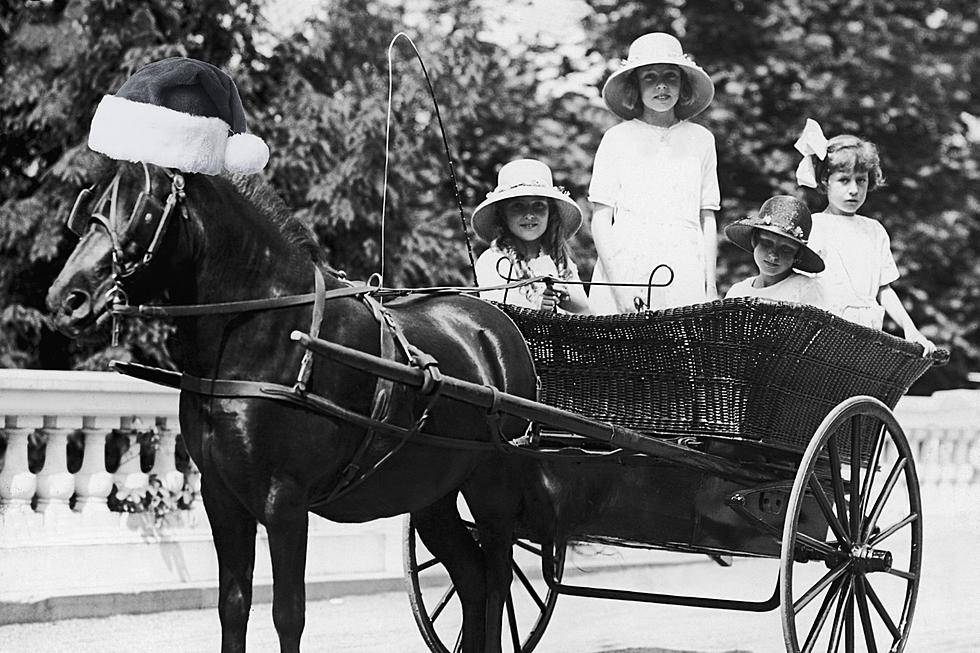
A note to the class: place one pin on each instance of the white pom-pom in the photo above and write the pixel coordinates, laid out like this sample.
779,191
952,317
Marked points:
245,154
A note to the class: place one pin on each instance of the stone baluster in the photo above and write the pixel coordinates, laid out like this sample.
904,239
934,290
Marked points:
55,484
92,482
164,463
17,483
130,480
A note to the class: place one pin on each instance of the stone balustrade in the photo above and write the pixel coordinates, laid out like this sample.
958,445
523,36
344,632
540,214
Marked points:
79,448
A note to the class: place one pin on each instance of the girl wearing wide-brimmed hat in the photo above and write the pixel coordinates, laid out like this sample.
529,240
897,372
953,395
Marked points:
777,238
654,181
527,220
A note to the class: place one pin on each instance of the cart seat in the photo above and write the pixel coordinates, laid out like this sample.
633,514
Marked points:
745,367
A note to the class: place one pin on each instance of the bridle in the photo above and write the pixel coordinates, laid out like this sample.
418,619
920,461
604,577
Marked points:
142,232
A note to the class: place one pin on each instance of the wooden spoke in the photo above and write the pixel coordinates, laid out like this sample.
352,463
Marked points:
907,575
515,638
828,511
521,576
837,481
872,468
849,622
861,598
880,609
443,602
855,521
425,565
830,577
891,530
529,546
886,491
816,545
822,614
843,600
458,648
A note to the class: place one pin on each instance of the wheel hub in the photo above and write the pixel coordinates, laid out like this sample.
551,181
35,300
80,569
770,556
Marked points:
867,560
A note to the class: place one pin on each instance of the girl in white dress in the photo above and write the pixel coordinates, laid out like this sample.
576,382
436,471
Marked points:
777,238
856,249
654,182
527,220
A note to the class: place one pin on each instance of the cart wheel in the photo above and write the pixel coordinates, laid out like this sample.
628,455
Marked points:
869,537
436,606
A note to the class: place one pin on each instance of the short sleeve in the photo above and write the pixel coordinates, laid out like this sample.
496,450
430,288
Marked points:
604,186
889,270
710,193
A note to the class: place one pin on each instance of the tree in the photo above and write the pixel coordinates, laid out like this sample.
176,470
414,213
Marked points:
58,60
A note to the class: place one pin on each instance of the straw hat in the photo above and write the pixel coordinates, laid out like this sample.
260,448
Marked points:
785,216
649,49
525,178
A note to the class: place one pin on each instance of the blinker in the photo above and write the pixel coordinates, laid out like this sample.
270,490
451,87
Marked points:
80,216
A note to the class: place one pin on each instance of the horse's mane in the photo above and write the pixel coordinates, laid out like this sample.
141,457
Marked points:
264,197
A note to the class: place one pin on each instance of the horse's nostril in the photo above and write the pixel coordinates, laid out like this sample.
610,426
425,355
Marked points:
75,300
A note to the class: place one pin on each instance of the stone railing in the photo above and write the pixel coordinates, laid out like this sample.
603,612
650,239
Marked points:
77,449
81,536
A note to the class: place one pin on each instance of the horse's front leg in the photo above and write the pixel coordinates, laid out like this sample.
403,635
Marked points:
287,523
233,532
497,544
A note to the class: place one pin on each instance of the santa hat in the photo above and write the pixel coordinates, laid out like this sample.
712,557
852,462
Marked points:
178,113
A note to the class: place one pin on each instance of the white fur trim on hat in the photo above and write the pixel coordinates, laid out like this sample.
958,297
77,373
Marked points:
135,131
245,154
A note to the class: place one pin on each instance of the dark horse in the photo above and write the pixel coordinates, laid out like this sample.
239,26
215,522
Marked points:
268,461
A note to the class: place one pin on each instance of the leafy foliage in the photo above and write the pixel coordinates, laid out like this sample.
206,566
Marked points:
899,73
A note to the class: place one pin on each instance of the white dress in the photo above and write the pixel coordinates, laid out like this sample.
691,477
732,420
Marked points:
795,288
657,180
495,267
857,254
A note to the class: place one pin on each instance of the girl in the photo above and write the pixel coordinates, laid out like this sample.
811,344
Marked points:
856,249
777,238
654,181
527,220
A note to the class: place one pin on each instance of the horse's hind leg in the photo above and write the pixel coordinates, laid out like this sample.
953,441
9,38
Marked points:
447,538
287,522
233,532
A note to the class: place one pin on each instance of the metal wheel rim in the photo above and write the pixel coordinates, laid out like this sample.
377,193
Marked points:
857,610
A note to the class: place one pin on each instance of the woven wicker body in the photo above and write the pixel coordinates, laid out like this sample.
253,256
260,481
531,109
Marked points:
744,368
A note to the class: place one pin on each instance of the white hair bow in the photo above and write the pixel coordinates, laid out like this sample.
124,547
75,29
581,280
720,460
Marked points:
811,142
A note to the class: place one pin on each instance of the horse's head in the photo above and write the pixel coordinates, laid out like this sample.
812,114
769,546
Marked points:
121,223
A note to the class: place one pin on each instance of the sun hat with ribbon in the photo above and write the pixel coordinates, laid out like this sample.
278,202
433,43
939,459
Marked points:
783,215
657,47
811,143
525,178
178,113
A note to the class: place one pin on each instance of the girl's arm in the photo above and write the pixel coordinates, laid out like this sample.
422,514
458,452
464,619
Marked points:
575,301
709,227
602,221
889,300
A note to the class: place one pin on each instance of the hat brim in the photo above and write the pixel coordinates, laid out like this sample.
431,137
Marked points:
616,90
807,260
484,217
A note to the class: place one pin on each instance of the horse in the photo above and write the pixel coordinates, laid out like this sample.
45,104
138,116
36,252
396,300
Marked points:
228,241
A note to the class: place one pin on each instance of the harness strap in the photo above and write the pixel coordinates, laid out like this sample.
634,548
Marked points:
246,305
306,365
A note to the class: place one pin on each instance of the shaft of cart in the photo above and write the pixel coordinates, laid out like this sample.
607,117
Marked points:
490,398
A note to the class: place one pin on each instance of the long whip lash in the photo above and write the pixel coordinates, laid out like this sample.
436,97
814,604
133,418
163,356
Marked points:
445,144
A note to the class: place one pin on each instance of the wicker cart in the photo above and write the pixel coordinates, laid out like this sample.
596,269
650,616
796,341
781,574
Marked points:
738,428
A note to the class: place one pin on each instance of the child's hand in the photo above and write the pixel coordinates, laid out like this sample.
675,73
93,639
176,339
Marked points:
914,335
550,300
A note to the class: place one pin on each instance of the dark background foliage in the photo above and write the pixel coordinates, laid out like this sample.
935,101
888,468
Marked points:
899,72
